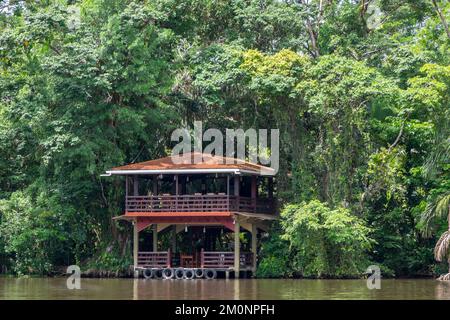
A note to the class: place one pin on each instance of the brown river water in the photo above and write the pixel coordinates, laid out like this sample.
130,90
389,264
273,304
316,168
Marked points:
55,288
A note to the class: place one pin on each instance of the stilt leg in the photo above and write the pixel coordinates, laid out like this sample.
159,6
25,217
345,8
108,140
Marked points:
135,249
155,238
254,247
237,250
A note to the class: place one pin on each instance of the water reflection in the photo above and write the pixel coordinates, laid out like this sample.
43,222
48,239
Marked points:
442,290
140,289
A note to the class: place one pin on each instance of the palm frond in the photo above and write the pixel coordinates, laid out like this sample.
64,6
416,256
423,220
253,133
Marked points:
434,210
444,277
443,205
427,218
442,246
439,155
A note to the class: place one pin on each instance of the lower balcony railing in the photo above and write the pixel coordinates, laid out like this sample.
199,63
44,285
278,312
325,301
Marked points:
208,259
149,259
212,259
198,203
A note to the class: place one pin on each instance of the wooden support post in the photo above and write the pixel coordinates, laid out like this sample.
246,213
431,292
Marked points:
176,192
254,187
236,193
270,187
254,247
254,192
126,192
204,185
169,258
135,248
202,258
155,238
135,185
182,183
228,193
237,250
155,185
236,185
174,238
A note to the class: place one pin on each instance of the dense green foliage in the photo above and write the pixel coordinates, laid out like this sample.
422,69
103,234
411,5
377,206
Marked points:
321,242
363,111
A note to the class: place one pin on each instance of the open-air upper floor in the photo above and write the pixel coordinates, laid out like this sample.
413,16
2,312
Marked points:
161,186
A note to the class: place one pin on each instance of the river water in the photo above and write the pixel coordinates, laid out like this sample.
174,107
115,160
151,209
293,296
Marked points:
56,288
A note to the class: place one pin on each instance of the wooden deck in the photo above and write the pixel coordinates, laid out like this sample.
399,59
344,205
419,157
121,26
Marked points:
209,260
198,203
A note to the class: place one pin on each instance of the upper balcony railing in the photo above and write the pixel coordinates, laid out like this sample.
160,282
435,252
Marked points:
198,203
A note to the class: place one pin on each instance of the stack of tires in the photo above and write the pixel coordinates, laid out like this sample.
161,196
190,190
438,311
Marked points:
179,273
153,273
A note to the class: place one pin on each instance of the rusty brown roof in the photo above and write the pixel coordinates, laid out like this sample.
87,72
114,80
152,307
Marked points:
209,163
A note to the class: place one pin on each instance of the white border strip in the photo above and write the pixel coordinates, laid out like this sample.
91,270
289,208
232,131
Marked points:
181,171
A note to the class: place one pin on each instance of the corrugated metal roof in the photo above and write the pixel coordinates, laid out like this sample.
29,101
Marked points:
189,163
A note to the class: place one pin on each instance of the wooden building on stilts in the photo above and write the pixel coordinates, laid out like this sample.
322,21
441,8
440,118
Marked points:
217,196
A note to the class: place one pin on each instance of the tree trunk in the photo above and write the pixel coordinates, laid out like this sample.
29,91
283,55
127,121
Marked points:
441,17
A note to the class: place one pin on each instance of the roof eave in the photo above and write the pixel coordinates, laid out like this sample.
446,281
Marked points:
187,171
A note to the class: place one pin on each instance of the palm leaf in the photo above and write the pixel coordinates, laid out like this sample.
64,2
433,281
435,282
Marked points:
443,205
434,210
442,246
445,277
439,155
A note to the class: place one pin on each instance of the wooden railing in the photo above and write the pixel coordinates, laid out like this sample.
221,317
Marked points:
154,259
246,204
213,259
198,203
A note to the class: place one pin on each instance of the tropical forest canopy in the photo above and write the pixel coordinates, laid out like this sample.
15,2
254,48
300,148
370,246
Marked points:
360,96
